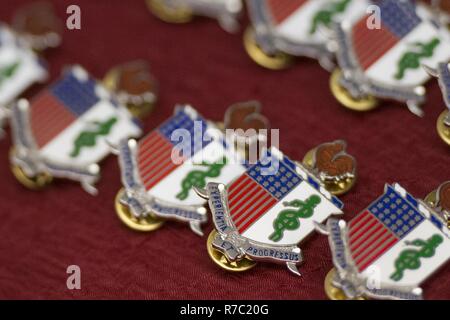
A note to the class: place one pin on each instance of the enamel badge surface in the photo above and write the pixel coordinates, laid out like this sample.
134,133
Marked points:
67,129
19,69
266,212
160,172
389,249
295,28
384,60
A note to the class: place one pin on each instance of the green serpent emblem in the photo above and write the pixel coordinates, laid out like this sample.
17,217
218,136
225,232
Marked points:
410,258
88,138
289,219
325,16
411,59
8,71
197,178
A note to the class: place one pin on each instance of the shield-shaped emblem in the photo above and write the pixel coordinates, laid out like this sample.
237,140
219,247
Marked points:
298,27
390,248
68,128
383,59
19,69
161,171
266,212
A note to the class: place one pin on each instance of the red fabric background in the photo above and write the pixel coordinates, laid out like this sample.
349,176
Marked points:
41,233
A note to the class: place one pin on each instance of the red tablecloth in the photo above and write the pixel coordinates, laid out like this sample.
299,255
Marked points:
41,233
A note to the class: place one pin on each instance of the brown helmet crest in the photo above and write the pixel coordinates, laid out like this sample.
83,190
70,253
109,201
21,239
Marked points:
245,115
332,160
38,23
134,78
444,196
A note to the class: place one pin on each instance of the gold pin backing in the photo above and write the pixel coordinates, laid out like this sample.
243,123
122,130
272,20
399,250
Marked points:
333,292
222,261
169,14
147,223
37,182
442,129
278,61
431,199
344,97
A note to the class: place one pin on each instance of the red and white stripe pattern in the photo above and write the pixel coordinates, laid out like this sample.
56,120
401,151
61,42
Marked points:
369,239
155,159
49,118
283,9
248,201
371,44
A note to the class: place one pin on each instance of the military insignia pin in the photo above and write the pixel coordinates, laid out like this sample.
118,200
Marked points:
34,28
390,248
383,61
282,29
265,213
443,122
66,130
226,12
160,172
